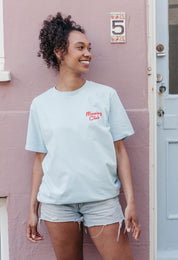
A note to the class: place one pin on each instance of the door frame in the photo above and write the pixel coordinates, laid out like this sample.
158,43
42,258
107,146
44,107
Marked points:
151,71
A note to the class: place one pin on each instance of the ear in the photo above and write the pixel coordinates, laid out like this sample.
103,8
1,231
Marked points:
58,54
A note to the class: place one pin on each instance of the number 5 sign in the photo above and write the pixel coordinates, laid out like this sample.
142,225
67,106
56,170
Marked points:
118,27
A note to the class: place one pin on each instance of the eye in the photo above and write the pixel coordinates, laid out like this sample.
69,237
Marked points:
89,48
80,47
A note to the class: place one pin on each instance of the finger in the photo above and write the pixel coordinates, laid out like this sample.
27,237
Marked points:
128,225
32,240
28,234
136,236
33,232
133,228
39,236
137,233
36,235
135,224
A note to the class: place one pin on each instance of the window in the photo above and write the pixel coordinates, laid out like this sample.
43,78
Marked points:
173,43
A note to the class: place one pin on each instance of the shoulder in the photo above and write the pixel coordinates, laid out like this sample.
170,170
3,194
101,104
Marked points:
101,88
42,98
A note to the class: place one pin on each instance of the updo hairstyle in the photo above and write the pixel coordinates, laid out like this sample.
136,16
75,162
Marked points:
54,37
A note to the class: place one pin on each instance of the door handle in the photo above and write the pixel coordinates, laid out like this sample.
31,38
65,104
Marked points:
162,89
160,50
160,112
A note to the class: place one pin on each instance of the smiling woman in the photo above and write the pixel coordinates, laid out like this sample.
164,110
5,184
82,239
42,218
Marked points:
78,55
77,129
54,37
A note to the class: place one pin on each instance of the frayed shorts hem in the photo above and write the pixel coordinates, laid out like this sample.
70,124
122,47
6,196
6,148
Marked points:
100,213
90,213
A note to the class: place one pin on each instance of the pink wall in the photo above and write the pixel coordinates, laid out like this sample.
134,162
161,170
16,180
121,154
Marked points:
122,66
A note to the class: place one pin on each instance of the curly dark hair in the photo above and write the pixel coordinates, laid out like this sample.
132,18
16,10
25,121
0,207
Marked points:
54,36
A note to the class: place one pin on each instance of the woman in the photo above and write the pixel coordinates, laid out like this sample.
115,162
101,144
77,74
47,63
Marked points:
77,129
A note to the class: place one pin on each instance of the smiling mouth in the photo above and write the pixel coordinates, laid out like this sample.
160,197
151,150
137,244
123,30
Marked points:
85,61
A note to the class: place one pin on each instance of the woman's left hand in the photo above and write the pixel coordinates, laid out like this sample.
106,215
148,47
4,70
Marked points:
132,222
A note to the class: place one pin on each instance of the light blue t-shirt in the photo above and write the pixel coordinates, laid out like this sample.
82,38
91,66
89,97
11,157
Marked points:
76,130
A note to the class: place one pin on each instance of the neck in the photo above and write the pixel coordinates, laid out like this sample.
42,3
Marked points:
69,81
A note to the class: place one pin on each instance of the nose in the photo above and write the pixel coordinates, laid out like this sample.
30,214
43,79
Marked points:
87,53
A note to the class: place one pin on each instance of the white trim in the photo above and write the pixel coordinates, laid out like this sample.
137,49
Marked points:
4,245
151,40
4,75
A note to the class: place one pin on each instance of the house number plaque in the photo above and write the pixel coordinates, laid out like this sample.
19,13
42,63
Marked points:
117,27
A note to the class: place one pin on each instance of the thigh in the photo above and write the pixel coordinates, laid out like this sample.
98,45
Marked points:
67,239
105,240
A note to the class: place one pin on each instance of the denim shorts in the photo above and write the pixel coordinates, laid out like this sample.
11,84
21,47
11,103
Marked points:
98,213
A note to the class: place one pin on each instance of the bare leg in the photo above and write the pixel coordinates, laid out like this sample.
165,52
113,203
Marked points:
105,240
67,240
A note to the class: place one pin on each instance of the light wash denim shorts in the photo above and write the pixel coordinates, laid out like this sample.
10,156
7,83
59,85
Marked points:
98,213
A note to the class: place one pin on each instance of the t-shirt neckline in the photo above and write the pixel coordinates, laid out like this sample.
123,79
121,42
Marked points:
71,93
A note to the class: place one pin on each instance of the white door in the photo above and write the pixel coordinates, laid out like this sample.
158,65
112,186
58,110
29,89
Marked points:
167,127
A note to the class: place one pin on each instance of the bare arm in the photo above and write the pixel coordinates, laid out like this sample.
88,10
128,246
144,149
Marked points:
124,175
37,174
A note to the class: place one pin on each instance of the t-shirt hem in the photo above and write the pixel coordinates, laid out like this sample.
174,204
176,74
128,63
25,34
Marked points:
122,137
32,149
73,202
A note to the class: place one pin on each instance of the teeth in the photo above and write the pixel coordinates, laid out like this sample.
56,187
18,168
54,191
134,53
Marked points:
85,61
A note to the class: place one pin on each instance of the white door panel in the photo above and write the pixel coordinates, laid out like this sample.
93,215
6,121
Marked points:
167,128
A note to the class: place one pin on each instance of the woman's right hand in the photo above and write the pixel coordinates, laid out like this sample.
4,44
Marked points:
31,229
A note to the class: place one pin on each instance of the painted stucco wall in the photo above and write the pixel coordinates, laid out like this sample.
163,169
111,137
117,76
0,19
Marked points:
122,66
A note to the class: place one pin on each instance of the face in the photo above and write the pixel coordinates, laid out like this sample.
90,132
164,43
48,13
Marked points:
78,56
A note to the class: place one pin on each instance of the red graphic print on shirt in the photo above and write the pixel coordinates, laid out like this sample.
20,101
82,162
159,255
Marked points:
93,116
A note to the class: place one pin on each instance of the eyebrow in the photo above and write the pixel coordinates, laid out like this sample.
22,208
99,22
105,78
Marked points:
83,43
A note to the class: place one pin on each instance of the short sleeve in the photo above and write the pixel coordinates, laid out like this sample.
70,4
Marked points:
34,141
120,125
